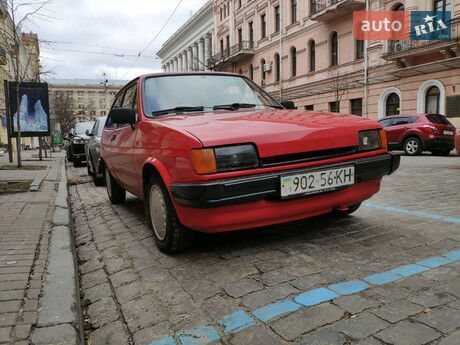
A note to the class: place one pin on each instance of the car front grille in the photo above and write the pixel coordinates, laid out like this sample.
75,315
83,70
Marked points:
307,156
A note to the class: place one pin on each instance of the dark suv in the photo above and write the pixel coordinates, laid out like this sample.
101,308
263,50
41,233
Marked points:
419,132
77,138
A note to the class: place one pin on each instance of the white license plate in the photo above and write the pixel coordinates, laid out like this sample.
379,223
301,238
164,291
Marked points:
317,181
448,133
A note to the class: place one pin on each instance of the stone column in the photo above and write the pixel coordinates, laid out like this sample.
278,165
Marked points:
201,63
176,64
195,56
207,48
189,58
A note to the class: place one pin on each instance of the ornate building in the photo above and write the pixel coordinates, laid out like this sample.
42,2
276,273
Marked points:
189,48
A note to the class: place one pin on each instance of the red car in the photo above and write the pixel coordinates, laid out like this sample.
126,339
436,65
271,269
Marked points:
213,152
419,132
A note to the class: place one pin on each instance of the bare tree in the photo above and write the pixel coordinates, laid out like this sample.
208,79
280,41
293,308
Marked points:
63,109
20,13
339,86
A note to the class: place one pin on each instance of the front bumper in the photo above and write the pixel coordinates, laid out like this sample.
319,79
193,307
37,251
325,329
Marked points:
267,186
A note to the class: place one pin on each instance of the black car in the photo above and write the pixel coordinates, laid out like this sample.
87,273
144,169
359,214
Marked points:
93,149
77,138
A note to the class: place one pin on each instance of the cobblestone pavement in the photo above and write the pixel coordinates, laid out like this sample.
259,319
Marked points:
132,293
24,237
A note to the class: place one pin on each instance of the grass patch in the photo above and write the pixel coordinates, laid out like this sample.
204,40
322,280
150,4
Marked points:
24,167
15,187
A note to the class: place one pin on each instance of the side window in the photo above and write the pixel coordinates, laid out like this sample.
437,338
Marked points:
94,129
116,104
386,122
401,121
130,99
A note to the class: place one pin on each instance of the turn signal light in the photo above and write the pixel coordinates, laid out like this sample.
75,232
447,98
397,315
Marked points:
204,161
383,139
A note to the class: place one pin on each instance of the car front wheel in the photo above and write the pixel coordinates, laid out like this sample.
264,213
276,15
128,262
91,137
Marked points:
117,195
413,146
170,236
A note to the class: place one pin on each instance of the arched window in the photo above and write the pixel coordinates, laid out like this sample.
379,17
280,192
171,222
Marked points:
293,62
312,56
262,70
334,49
251,72
277,67
398,7
432,100
392,104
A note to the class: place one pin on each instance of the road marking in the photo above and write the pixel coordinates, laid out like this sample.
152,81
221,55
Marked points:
240,320
413,213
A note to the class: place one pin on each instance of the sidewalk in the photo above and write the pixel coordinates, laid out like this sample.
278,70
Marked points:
38,291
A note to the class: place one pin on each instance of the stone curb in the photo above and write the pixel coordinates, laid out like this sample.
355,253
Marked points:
59,318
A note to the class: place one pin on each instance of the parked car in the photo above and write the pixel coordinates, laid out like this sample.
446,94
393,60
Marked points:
214,152
76,147
93,149
415,133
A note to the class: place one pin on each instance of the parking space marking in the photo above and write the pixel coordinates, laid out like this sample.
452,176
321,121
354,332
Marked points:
413,213
239,320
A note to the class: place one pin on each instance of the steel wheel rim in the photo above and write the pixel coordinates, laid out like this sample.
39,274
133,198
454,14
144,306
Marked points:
157,208
107,183
412,146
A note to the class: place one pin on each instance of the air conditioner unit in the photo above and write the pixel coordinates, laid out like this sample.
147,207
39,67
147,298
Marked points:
267,67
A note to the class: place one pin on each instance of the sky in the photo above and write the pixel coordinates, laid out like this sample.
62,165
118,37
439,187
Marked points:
121,29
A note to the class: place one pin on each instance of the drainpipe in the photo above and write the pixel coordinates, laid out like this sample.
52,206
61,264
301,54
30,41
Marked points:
366,65
281,50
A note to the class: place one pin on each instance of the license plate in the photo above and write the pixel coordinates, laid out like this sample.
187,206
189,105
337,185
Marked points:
448,133
317,181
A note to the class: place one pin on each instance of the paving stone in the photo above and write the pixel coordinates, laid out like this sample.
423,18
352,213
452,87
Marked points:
408,333
151,334
29,317
226,306
254,335
443,319
369,341
453,287
97,292
129,291
7,319
92,279
11,295
275,277
201,289
103,312
451,339
60,334
306,320
5,334
415,283
90,266
111,334
123,277
22,332
432,299
268,295
355,304
397,311
324,336
115,265
362,326
242,287
134,313
10,306
61,216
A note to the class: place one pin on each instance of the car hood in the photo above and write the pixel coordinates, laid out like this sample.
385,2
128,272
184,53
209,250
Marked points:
275,132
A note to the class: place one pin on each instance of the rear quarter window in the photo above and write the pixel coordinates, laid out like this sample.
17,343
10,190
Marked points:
440,119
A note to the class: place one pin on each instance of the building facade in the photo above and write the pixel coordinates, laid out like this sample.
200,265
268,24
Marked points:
190,47
90,98
305,51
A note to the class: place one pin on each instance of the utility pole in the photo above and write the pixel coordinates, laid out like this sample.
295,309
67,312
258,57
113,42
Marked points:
366,67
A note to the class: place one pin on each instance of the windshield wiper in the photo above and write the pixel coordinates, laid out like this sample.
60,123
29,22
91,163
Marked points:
276,106
233,106
177,110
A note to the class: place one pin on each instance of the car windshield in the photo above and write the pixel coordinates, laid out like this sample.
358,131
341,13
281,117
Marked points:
100,126
202,90
440,119
80,128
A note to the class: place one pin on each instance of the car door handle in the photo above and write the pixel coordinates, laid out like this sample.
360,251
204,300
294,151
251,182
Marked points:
113,137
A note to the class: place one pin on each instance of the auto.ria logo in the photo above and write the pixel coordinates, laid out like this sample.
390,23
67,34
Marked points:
430,25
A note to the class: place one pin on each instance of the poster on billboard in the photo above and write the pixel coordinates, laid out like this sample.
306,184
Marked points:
33,112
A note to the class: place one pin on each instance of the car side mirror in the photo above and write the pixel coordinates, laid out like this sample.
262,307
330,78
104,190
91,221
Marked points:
123,116
288,105
88,133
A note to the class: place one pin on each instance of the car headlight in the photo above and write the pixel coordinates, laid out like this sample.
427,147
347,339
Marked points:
221,159
369,140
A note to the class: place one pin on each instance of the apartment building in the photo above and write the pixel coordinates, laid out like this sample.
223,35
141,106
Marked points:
90,98
305,51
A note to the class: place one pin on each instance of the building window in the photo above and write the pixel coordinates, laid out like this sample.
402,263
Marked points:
356,106
262,69
277,19
334,49
263,26
392,104
103,113
251,33
277,67
309,107
293,11
227,41
221,15
312,56
359,49
222,46
293,62
251,72
240,37
443,5
334,107
432,100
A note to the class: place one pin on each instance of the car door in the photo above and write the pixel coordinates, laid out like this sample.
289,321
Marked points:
395,133
107,135
122,142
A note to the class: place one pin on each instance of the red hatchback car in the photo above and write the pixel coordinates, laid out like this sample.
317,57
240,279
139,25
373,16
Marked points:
419,132
213,152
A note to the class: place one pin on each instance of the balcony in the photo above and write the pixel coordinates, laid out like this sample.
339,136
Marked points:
330,10
234,54
2,56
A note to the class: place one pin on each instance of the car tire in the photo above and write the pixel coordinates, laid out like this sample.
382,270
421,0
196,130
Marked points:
350,210
171,237
412,146
443,153
116,194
